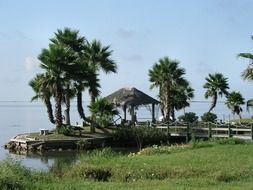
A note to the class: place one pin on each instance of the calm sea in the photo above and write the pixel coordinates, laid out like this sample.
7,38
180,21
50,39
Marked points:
24,117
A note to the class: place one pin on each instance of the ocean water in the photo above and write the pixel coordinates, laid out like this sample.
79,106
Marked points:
24,117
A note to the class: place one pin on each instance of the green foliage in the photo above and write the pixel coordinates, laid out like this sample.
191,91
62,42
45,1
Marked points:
201,166
234,102
103,153
103,111
13,175
142,135
230,141
65,130
189,117
174,89
209,117
82,144
216,85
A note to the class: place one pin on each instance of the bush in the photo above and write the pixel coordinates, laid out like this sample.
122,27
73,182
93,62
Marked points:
13,176
189,117
65,129
103,112
141,135
209,117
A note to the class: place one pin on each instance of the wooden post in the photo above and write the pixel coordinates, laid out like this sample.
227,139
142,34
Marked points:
209,131
133,118
251,131
124,109
153,113
229,130
168,130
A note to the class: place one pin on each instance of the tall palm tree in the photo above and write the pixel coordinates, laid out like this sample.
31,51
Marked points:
234,102
56,61
216,85
41,86
156,80
73,42
98,58
166,75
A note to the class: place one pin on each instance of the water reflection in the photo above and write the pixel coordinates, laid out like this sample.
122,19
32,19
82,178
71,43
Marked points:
52,160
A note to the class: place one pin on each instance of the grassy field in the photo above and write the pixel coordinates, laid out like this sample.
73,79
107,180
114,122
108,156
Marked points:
222,164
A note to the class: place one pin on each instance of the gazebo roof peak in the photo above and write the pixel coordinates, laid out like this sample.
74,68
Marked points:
131,96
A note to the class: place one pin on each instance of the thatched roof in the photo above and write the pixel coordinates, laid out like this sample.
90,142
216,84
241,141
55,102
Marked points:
130,96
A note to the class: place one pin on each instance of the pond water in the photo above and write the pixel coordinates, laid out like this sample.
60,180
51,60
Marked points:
24,117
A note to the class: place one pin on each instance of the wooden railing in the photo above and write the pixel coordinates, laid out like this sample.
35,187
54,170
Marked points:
207,130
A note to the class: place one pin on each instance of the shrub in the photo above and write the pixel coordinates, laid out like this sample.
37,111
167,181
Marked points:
65,129
141,135
189,117
103,112
230,141
13,176
105,153
209,117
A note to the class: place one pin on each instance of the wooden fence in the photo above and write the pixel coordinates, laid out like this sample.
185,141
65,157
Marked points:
208,130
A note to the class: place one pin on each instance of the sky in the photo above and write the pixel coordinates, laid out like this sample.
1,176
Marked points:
204,35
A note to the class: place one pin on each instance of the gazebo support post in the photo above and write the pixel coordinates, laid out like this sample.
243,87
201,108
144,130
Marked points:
153,113
133,118
124,109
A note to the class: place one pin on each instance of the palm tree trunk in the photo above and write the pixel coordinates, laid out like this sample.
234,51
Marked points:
67,110
58,101
168,104
93,122
93,98
49,110
173,113
213,102
80,105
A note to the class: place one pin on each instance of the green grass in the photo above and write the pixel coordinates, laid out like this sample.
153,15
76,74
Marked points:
85,133
243,120
222,164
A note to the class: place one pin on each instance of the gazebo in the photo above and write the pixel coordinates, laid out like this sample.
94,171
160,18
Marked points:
132,97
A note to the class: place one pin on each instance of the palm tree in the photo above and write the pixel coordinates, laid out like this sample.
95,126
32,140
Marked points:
41,86
98,58
167,76
247,74
216,84
234,101
56,61
182,95
73,42
103,111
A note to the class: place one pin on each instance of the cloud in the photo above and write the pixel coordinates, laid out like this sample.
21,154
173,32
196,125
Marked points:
31,63
135,57
123,33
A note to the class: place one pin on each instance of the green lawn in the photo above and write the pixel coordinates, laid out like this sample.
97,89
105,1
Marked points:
243,120
205,165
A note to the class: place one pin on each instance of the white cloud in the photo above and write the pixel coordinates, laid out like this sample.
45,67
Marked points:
31,63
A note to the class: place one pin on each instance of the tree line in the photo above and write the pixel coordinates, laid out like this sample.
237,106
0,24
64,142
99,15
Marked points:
71,65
